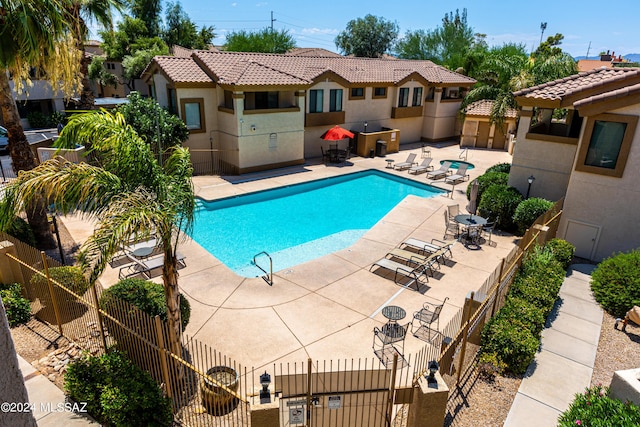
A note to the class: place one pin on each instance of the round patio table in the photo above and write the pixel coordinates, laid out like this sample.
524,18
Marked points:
394,313
470,221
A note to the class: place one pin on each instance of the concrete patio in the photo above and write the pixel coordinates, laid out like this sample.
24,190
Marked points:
326,309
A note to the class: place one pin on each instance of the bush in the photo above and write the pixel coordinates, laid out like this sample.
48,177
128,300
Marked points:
57,117
145,295
528,211
616,283
69,276
17,307
489,365
539,280
37,120
531,316
500,201
562,251
513,343
21,230
486,180
595,407
117,392
500,167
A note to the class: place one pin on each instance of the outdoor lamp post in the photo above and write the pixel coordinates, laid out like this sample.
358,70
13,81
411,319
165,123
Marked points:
433,368
265,394
365,127
530,181
52,213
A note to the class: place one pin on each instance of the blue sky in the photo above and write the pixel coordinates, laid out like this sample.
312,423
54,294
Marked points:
616,28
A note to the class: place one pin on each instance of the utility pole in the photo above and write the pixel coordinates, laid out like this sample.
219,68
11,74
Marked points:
272,20
543,26
588,49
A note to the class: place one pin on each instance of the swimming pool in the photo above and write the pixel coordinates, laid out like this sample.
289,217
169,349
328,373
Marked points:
455,164
301,222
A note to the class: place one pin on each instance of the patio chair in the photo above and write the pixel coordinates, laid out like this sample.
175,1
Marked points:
343,155
389,340
326,155
432,247
453,210
487,229
425,166
428,261
459,176
424,318
413,272
425,151
451,227
440,173
144,267
407,163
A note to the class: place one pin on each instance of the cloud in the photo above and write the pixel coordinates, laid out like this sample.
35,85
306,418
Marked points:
318,31
262,4
234,4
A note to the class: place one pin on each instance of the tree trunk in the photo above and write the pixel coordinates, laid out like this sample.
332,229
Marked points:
87,98
23,158
172,297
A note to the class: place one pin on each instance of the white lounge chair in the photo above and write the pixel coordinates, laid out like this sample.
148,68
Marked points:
459,176
407,163
425,166
440,173
412,272
430,247
144,267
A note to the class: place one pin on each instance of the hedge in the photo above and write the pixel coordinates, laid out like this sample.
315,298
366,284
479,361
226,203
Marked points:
500,201
486,180
528,211
17,307
595,407
616,283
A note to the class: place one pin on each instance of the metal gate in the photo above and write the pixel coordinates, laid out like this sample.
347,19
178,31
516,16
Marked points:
358,394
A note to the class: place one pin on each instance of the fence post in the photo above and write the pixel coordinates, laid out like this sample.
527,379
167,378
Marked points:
100,322
51,292
163,360
495,298
466,319
309,391
392,388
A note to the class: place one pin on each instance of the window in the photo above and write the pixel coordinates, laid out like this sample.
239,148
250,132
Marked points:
379,92
560,122
316,98
606,143
451,93
152,91
335,100
417,97
403,98
431,93
265,100
228,99
171,97
356,93
192,111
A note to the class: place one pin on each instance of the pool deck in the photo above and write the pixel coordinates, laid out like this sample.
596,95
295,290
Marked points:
326,309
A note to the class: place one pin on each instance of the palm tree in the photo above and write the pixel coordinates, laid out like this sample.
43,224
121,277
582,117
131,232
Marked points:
33,34
130,195
83,11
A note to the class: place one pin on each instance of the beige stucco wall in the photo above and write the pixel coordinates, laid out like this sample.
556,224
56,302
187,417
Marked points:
201,140
607,203
549,162
440,118
160,83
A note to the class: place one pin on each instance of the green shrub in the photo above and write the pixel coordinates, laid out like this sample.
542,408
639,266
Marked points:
500,201
530,315
539,280
616,283
528,211
486,180
145,295
513,343
490,365
500,167
562,251
37,120
117,392
57,117
17,307
21,230
70,277
596,408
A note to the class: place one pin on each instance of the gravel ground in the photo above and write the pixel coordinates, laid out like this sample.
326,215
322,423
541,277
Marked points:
478,402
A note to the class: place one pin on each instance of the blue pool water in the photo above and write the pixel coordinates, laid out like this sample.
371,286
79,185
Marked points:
301,222
455,164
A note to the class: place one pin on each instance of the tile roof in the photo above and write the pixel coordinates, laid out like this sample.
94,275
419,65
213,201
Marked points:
598,80
607,96
180,69
483,108
244,68
312,51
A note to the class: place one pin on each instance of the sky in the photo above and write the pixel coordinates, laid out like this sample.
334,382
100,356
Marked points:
587,25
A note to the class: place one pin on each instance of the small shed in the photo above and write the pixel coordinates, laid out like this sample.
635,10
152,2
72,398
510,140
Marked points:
479,132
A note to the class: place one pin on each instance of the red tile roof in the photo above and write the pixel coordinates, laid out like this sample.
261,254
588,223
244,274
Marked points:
483,108
247,69
588,83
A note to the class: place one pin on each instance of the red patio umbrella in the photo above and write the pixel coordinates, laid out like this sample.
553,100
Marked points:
336,133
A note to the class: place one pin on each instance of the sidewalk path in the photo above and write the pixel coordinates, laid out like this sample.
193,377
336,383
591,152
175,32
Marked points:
48,401
564,364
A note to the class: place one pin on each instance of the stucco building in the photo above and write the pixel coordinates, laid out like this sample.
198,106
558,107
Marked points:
578,137
254,111
479,132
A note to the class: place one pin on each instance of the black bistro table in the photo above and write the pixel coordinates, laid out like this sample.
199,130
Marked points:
394,313
470,221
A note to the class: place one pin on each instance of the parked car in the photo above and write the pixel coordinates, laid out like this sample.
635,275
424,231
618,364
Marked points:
4,141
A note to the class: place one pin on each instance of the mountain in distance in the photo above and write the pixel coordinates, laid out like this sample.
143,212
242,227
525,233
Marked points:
632,57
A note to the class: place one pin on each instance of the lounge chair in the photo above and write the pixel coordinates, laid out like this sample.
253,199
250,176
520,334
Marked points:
407,163
413,272
434,246
459,176
428,261
440,173
144,267
425,166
